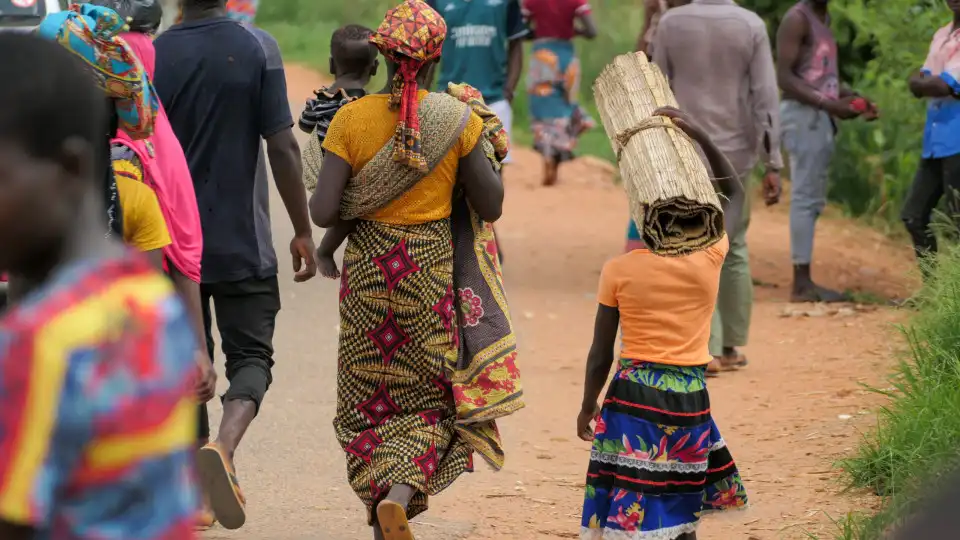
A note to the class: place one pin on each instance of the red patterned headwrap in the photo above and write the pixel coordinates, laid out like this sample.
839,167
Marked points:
411,35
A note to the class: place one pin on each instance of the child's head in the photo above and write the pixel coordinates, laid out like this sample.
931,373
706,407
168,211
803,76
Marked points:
52,147
352,54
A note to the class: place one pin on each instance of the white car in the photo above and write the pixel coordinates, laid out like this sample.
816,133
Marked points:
25,15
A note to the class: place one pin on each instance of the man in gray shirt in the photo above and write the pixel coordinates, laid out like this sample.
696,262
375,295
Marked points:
717,56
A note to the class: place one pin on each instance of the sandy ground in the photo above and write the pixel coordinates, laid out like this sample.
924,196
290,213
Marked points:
798,407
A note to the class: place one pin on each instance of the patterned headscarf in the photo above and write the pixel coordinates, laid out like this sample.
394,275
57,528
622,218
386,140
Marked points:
411,35
92,33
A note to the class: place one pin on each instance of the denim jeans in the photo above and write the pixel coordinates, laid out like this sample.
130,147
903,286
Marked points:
809,137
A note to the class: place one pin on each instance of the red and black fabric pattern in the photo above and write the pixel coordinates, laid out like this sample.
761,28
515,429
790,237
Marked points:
395,408
411,35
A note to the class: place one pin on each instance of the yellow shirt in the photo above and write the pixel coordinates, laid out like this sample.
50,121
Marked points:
360,129
665,303
144,227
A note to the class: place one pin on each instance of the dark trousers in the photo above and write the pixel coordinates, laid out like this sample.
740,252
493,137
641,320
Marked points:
936,178
246,316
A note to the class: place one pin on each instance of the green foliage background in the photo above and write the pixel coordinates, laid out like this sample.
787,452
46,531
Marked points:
881,43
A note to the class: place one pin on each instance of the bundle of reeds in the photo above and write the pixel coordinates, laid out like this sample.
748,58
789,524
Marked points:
672,200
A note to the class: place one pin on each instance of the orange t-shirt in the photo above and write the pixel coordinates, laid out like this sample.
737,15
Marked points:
665,303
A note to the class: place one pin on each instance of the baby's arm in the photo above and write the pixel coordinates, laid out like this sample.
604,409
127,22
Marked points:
332,239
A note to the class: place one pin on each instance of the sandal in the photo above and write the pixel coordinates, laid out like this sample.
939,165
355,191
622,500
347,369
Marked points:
736,360
718,366
220,483
392,520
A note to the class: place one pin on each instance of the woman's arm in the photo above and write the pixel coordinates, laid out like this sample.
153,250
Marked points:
335,172
482,185
599,362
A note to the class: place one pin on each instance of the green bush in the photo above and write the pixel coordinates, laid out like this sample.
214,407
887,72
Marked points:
918,431
875,162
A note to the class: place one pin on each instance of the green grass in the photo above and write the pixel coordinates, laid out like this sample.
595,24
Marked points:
918,432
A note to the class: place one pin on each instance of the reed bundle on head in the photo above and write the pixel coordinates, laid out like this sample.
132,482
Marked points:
672,200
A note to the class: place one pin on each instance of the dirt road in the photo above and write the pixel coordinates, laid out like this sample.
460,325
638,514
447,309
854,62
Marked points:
787,417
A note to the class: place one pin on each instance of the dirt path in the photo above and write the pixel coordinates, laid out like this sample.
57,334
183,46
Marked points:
787,418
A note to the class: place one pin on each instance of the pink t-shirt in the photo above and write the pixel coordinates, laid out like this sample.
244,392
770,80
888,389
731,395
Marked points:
553,19
944,56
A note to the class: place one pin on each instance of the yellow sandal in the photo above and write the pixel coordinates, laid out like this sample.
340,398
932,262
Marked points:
392,520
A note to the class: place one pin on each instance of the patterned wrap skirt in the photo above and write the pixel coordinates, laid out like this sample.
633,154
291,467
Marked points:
395,408
557,120
658,461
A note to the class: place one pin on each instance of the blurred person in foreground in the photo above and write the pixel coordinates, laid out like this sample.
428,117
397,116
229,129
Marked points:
813,99
935,518
96,361
224,89
741,114
939,171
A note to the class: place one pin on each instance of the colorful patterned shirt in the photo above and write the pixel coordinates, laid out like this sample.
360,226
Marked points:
97,414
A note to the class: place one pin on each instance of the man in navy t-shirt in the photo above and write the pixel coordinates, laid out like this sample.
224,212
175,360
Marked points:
223,87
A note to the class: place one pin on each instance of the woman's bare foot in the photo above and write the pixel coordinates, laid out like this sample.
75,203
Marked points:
327,266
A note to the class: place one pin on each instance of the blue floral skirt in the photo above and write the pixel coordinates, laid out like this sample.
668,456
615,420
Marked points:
658,461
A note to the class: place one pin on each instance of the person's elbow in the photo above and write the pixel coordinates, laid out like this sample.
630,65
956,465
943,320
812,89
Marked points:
323,215
492,208
283,147
489,206
783,77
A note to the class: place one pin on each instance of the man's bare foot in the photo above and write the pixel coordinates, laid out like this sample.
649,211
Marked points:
327,267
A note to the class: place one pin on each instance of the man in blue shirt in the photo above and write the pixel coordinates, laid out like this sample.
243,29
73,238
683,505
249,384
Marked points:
484,49
939,171
224,89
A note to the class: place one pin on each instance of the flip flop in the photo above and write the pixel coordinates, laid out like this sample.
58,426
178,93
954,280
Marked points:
392,520
716,367
220,482
737,361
